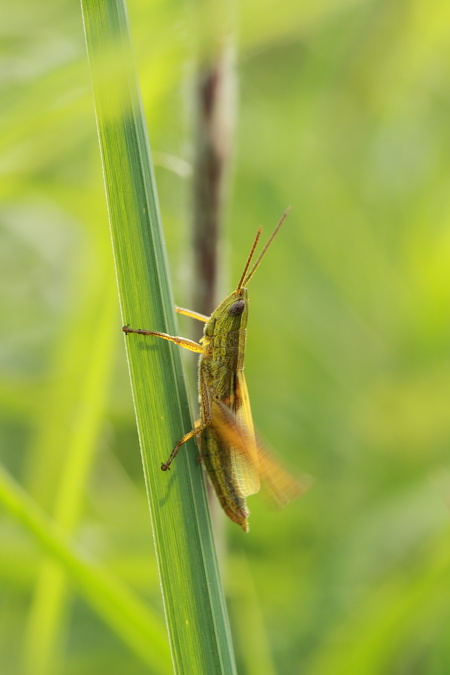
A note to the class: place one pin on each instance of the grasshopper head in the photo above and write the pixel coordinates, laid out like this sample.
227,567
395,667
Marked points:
231,315
236,303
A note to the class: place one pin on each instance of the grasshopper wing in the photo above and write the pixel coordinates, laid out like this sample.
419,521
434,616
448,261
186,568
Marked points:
242,449
250,462
245,464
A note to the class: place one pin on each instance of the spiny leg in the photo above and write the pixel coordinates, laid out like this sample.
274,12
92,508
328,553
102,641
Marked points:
166,465
205,396
206,412
182,342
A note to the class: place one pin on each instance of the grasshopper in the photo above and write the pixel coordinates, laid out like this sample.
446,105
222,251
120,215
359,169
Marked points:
232,456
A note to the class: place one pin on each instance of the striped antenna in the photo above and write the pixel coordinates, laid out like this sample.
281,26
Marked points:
246,279
249,259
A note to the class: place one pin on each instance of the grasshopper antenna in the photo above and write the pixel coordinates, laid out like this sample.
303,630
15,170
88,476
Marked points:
261,256
249,259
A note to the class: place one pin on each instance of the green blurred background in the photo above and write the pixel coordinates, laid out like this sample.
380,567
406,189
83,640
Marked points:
344,113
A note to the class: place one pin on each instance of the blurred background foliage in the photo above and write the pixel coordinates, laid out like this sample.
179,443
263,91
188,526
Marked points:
343,112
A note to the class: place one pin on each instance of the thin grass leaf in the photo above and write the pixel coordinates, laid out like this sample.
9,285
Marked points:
70,423
124,613
193,598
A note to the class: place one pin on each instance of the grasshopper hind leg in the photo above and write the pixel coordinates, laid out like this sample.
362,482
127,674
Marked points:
165,466
200,426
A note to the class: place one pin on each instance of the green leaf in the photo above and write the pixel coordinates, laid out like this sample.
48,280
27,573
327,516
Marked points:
193,598
118,607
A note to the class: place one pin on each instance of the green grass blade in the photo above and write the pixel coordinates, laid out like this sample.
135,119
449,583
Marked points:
193,598
119,608
87,365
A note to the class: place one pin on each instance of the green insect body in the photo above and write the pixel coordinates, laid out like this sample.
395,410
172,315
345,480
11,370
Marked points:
234,460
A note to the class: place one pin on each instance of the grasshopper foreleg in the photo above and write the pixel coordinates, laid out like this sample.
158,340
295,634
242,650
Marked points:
182,342
194,315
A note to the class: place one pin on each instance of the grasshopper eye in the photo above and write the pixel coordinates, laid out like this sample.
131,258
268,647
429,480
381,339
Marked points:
236,308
